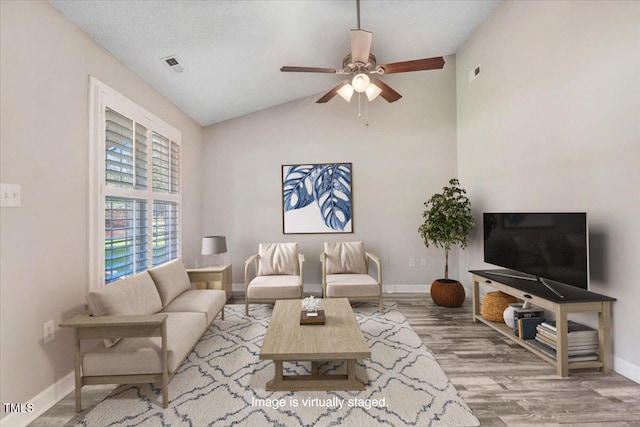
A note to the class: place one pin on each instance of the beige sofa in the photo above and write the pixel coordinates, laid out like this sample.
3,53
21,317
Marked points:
147,325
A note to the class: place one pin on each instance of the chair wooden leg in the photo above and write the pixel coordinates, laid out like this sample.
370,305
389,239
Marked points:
78,375
165,396
78,398
165,368
246,307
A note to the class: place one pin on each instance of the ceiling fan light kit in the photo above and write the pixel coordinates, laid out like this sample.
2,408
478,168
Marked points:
372,92
362,65
346,92
360,82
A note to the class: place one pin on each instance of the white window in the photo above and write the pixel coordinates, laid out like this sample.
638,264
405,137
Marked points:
135,203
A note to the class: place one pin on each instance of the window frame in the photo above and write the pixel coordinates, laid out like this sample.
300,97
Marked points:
101,97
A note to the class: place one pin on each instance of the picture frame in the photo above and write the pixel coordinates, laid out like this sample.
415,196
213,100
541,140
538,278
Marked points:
317,198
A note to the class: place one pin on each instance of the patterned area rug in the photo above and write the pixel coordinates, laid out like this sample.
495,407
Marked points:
222,383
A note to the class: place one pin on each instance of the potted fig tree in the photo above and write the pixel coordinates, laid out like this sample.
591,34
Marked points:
447,223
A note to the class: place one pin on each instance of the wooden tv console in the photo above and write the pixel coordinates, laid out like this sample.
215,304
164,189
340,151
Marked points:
575,301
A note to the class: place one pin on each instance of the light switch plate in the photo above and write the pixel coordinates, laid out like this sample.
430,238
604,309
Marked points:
10,195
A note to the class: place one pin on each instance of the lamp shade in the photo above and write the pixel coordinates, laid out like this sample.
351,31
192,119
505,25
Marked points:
212,245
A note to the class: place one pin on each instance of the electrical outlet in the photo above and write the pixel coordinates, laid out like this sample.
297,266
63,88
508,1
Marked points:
412,262
10,195
423,262
48,331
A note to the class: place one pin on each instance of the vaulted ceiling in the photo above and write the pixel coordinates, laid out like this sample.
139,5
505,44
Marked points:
232,51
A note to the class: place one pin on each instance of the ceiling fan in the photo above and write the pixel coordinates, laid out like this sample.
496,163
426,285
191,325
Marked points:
361,63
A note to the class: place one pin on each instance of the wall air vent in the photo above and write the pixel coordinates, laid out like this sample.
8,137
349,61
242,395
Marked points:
174,64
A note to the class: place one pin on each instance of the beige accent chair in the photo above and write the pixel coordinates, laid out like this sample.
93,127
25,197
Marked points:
277,274
345,273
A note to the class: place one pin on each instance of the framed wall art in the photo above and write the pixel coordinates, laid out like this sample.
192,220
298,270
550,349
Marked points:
317,198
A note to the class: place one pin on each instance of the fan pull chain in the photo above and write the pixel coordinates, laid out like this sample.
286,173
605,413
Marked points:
366,113
365,123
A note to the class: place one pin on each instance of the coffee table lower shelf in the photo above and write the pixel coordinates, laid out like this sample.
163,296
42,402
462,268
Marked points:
315,381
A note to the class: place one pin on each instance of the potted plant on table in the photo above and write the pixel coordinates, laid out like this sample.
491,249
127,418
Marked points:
447,223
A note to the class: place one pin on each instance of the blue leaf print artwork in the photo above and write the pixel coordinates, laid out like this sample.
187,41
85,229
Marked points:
297,187
329,185
332,188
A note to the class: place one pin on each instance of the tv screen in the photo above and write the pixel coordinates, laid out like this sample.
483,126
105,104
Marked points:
551,246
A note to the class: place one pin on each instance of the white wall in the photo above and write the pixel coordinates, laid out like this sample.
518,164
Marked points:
553,124
45,64
407,153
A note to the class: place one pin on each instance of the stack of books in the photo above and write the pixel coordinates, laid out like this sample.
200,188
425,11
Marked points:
582,341
525,321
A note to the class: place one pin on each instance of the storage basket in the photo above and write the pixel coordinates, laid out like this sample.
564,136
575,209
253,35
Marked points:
494,304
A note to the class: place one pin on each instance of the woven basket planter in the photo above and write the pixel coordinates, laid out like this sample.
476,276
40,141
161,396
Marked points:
494,304
447,293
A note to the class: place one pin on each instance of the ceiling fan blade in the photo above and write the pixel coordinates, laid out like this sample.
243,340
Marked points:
360,45
307,69
415,65
387,93
327,96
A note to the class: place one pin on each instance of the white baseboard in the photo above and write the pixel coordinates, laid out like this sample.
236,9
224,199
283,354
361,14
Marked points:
40,403
626,369
421,289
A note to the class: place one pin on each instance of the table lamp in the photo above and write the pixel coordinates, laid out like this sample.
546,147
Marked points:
214,245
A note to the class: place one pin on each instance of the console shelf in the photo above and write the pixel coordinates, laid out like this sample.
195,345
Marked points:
574,301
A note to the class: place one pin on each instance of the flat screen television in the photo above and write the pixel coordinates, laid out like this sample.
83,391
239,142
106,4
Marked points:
546,246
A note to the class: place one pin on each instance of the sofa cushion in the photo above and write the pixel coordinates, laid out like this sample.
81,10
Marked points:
345,257
132,295
274,287
351,286
277,259
133,356
207,301
171,279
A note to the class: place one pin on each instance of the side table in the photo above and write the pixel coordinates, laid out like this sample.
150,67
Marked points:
218,277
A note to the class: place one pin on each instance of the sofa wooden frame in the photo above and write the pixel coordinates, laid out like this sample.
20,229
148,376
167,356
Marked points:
87,327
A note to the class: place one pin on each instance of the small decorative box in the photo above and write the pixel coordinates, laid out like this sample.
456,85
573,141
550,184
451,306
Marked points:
312,317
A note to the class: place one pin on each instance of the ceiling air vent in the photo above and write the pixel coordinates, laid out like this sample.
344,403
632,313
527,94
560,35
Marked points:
174,64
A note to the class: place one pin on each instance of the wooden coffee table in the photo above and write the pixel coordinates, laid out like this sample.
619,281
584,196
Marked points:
339,339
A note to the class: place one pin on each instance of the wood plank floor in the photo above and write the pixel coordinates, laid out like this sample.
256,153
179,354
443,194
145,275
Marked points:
504,384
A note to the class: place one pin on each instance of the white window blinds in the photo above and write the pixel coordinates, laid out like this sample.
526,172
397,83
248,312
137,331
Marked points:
137,207
165,231
126,237
125,157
